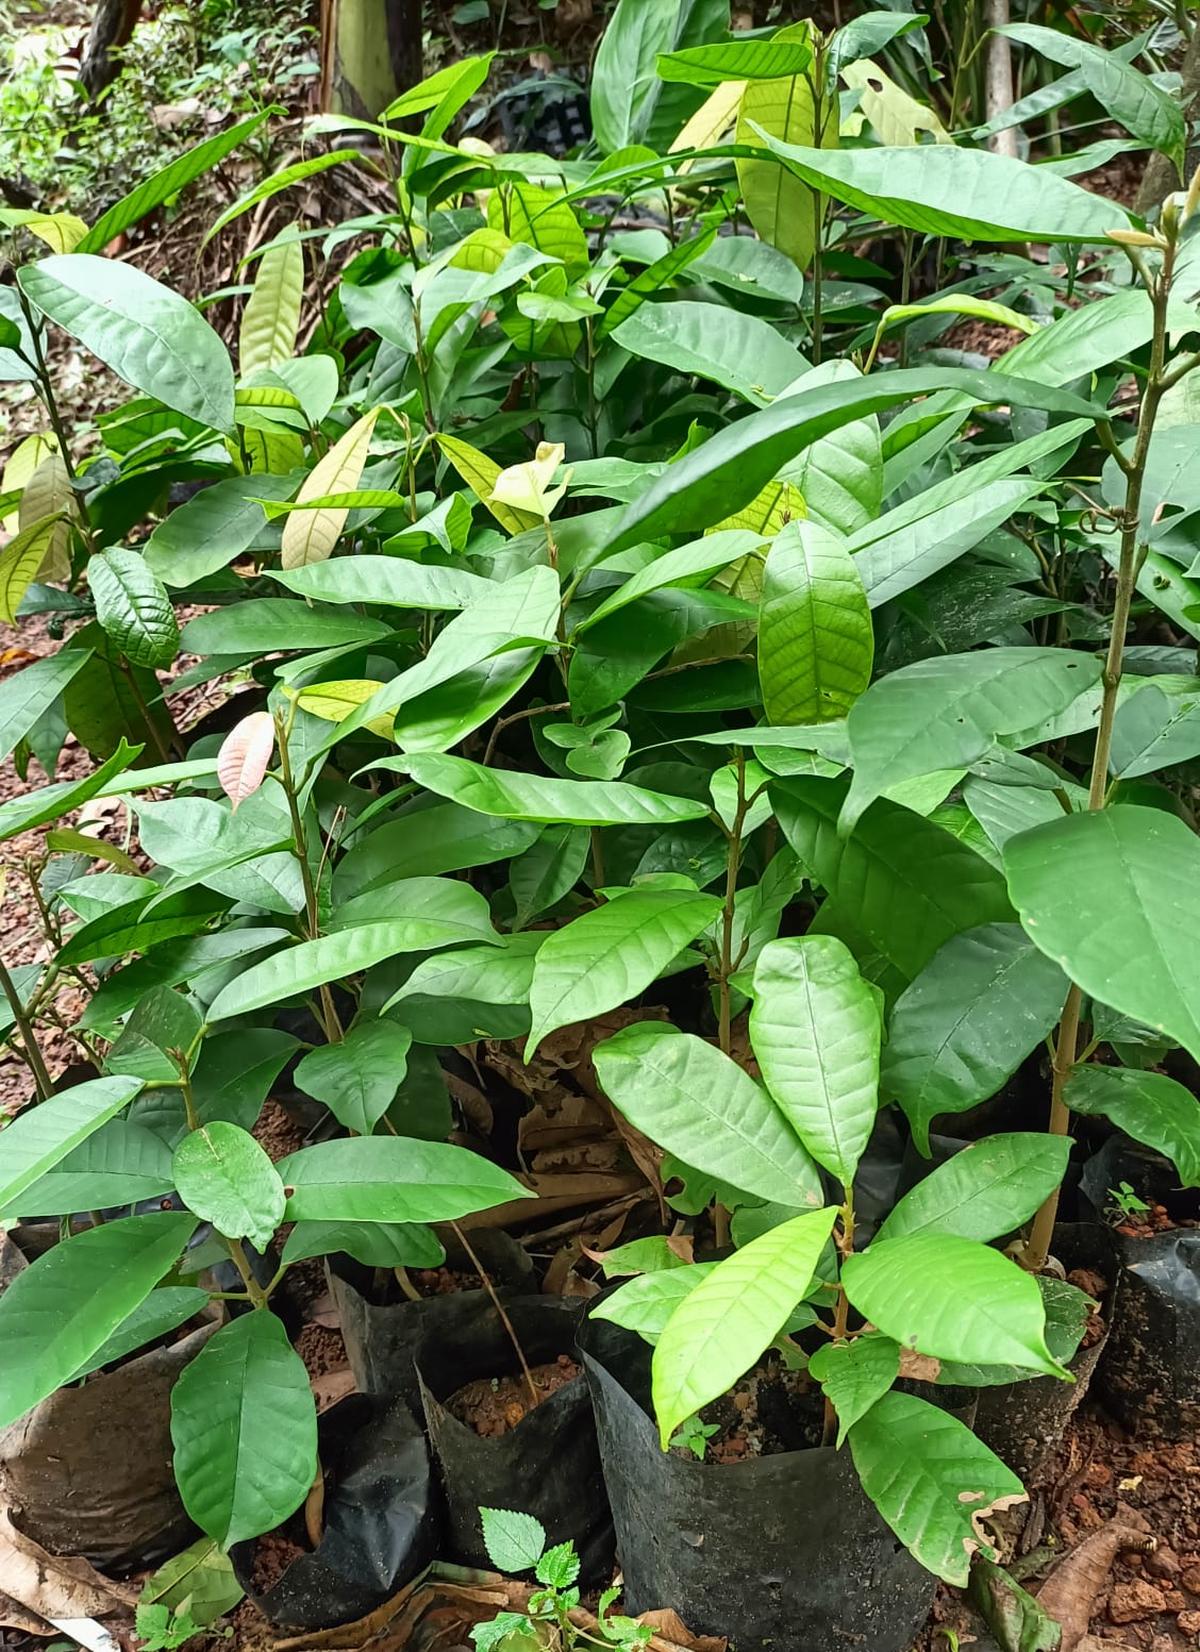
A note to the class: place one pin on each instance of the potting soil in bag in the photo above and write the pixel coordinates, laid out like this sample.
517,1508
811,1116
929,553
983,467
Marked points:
1149,1376
542,1460
381,1521
381,1336
773,1552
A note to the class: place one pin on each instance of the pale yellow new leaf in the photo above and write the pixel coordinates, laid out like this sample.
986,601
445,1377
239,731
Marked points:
19,562
309,536
48,493
271,318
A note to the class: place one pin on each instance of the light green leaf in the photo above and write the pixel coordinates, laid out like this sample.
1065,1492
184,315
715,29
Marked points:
814,1025
1123,926
26,694
629,103
815,643
150,336
786,213
1154,730
742,352
722,1326
1150,1107
44,1134
244,1427
855,1376
271,318
645,1305
931,188
388,580
514,1541
982,1003
267,188
932,1480
947,711
609,955
20,561
391,1179
311,964
985,1191
1084,340
687,565
120,1164
163,1311
438,912
899,887
133,607
735,60
223,1174
310,535
1125,94
951,1298
35,808
212,529
61,1309
547,800
694,1101
374,1244
169,181
358,1078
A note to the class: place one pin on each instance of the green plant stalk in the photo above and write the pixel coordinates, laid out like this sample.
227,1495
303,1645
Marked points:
845,1245
726,964
1132,554
31,1048
312,910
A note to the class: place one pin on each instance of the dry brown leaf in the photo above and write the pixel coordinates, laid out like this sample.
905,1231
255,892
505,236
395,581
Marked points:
1069,1594
56,1586
671,1626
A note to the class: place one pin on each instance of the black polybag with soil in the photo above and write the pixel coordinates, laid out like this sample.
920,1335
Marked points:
547,1465
382,1337
1149,1377
766,1552
381,1519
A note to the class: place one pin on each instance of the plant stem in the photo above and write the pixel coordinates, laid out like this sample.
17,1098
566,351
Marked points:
724,1029
29,1043
237,1255
534,1396
1066,1047
845,1245
312,909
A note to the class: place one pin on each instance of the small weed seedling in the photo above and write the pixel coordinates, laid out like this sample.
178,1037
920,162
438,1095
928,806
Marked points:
516,1542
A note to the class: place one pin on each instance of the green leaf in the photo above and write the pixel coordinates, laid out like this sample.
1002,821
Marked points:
431,838
133,607
1154,730
609,955
265,624
212,529
61,1309
629,103
223,1174
814,1025
374,1244
855,1376
358,1078
1123,925
951,1298
1080,342
547,871
722,1327
559,1567
120,1164
244,1427
199,1581
166,183
985,1191
687,565
899,887
549,801
841,475
267,188
655,278
742,352
815,643
27,694
786,213
163,1311
691,1099
735,60
389,580
150,336
391,1179
931,188
932,1480
271,318
947,711
514,1541
1126,95
1068,1311
438,912
1150,1107
732,468
45,1133
646,1304
22,814
299,969
25,553
982,1003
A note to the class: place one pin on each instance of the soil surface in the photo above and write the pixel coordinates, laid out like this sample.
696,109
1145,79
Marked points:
494,1405
771,1410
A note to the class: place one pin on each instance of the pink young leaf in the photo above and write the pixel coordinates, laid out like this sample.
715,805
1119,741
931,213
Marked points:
244,755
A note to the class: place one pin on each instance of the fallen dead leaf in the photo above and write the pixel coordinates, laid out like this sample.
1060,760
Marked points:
57,1586
1069,1594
